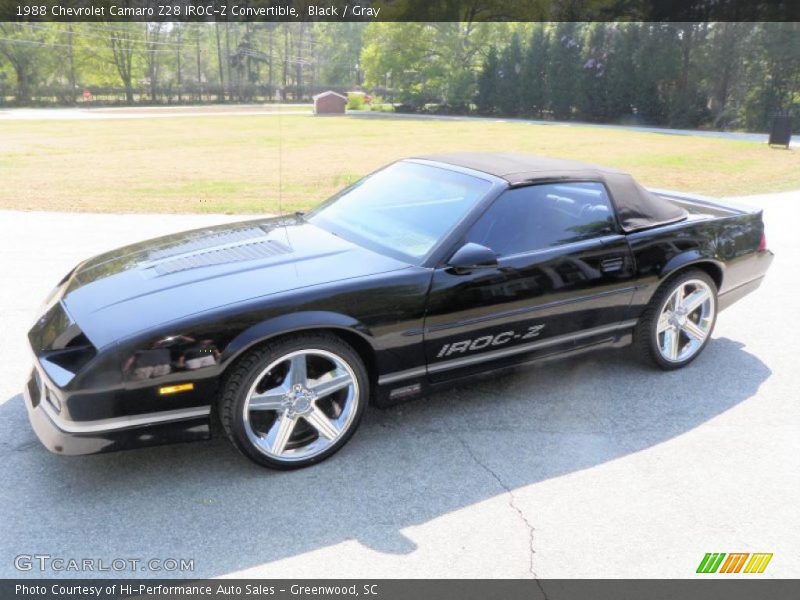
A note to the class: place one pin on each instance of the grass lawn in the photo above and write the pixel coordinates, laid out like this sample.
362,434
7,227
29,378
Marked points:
231,164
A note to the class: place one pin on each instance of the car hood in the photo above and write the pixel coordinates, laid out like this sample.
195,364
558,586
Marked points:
138,287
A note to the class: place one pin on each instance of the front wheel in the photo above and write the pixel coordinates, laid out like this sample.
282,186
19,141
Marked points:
294,402
678,322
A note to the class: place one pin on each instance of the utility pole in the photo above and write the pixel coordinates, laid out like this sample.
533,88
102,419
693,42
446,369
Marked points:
271,35
228,59
221,96
285,57
298,94
199,84
180,76
71,65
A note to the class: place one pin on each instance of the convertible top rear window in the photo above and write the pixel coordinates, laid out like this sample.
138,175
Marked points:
402,210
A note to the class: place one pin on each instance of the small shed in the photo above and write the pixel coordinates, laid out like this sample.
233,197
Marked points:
329,103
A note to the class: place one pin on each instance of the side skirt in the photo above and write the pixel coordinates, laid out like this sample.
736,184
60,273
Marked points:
392,392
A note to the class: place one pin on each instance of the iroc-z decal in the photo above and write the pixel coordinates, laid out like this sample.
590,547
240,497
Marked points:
488,341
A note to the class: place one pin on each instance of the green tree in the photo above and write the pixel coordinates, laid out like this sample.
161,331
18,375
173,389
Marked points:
724,72
688,104
340,51
656,63
398,52
533,82
592,97
25,48
428,62
124,41
152,55
563,69
510,97
679,74
489,84
621,71
773,75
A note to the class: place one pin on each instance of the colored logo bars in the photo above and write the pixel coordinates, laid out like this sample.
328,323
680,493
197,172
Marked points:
734,562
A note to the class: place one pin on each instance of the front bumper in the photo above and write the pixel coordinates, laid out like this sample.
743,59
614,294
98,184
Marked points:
63,436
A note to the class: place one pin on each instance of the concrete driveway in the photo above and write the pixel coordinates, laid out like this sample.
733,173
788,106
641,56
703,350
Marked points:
592,467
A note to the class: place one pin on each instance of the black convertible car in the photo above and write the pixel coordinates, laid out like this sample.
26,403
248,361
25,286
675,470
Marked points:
430,270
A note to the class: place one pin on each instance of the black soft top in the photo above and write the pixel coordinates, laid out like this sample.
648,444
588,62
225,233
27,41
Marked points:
637,208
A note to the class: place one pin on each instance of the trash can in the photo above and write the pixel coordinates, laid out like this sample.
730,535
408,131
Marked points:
780,134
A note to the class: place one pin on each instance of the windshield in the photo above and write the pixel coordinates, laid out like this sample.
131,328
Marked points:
402,210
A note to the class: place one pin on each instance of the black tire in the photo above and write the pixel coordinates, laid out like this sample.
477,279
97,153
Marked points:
646,343
250,369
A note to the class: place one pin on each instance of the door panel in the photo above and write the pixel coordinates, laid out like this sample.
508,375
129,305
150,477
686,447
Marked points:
564,277
532,303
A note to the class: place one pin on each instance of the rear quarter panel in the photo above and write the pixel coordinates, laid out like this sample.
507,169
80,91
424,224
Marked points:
726,246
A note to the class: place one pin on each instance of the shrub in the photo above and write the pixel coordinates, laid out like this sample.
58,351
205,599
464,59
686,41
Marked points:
380,105
355,101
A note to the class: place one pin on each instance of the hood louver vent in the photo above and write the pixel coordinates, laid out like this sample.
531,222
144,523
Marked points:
247,249
206,241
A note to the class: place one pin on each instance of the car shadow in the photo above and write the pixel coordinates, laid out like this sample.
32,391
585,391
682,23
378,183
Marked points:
406,466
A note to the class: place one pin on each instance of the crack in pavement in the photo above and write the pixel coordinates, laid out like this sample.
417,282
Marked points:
512,503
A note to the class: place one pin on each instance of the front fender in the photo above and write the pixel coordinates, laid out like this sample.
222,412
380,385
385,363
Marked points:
292,323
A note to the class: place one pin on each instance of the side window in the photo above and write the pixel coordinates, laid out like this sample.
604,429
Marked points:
539,216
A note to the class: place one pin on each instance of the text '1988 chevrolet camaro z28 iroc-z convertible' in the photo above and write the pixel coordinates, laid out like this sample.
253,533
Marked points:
428,271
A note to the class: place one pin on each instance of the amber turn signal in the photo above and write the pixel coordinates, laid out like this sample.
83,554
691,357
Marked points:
174,389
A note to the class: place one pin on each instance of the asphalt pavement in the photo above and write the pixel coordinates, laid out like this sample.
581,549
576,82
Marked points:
590,467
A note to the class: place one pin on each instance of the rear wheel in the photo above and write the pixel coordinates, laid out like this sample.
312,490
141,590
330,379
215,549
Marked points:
295,402
678,323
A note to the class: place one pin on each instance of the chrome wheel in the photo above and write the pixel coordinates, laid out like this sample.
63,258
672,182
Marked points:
301,404
685,320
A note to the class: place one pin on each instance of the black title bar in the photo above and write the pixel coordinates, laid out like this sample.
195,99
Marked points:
400,10
398,589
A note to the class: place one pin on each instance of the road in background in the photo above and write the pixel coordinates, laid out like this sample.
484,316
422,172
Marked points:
591,467
741,136
219,110
151,112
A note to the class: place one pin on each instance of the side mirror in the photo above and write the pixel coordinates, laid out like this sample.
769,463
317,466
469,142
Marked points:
472,256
